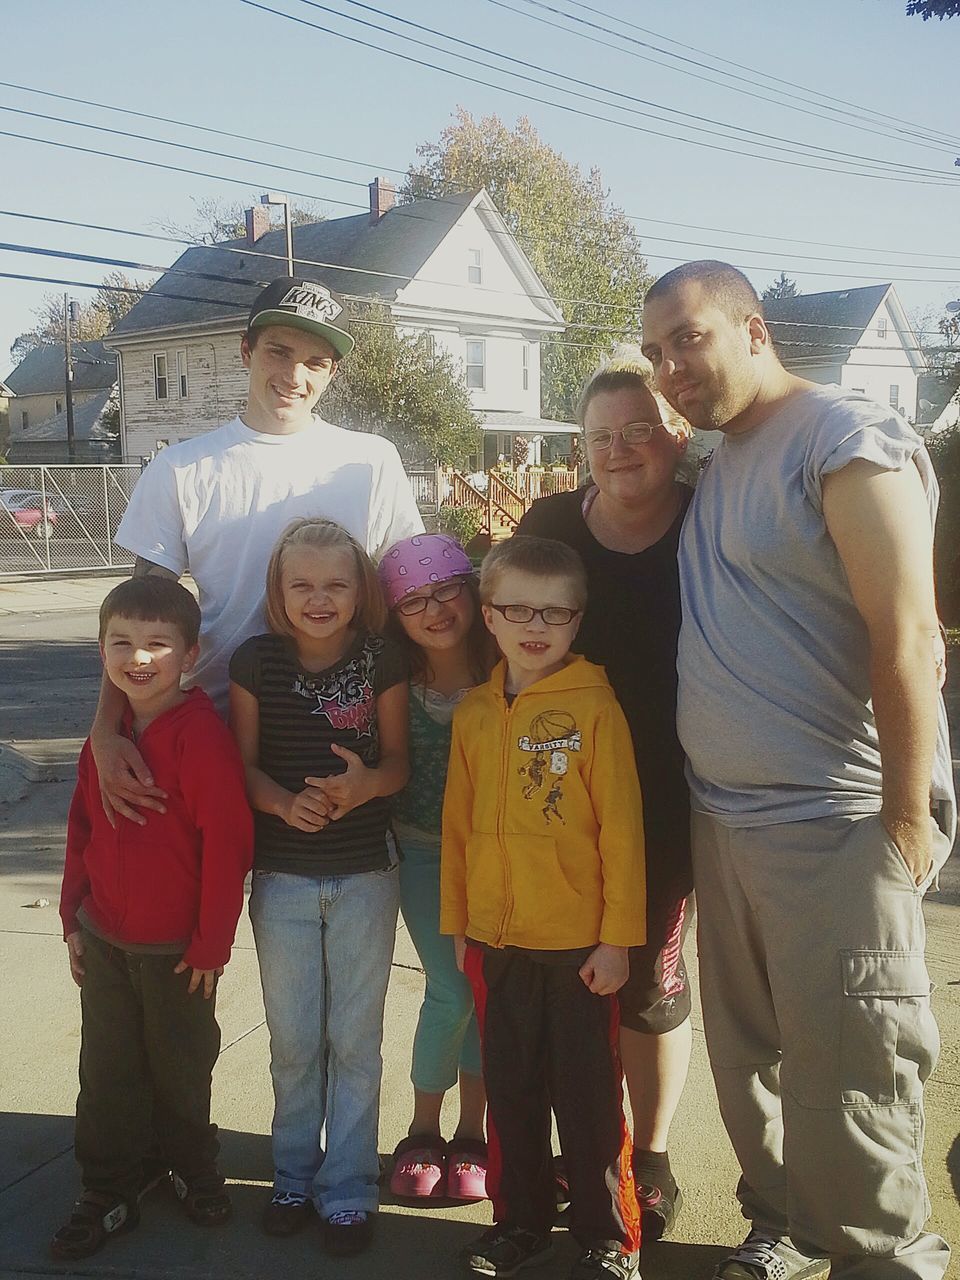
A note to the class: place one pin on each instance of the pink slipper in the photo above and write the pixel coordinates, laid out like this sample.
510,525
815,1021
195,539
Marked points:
466,1169
420,1167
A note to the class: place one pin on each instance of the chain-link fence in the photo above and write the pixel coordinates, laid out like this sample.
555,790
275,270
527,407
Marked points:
65,517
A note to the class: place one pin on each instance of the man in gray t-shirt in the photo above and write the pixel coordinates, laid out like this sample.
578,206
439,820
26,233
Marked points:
821,784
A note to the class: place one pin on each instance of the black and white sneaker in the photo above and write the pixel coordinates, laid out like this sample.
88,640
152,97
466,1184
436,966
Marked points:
606,1261
766,1257
347,1232
503,1250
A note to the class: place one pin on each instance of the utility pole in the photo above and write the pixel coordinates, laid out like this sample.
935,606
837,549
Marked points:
274,198
71,311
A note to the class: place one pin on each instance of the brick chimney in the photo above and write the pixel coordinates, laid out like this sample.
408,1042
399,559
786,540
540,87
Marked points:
258,222
383,196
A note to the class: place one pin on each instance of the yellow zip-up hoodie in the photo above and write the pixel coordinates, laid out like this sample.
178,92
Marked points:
542,817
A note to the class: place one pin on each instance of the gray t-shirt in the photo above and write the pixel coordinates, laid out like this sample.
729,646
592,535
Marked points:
774,708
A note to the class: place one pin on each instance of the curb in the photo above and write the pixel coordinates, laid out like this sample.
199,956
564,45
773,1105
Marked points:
53,760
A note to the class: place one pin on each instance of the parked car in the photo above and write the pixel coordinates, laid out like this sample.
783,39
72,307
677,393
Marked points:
27,511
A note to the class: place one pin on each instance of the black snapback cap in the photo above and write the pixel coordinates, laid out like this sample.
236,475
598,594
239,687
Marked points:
303,304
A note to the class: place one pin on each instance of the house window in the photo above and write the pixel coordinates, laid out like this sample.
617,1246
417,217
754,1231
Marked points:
59,406
882,327
526,366
160,379
24,420
476,364
182,374
894,396
475,266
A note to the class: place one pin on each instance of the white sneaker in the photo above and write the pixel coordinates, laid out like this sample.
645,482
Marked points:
767,1257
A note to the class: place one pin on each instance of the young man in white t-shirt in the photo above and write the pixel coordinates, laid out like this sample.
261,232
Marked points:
215,505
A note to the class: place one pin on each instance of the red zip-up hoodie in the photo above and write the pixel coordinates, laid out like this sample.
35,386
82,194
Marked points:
180,876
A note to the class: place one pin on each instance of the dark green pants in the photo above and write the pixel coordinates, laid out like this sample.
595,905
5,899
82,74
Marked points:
146,1060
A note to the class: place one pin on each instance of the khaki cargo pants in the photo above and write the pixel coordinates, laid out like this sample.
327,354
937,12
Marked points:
816,1007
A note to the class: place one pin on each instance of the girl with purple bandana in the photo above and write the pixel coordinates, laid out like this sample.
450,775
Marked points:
431,592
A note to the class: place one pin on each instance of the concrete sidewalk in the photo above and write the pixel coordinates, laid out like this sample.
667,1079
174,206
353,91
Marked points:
39,1038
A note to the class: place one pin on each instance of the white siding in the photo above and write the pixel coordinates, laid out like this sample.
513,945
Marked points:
216,391
502,293
877,363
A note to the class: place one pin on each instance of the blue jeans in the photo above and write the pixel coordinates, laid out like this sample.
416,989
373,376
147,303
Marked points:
324,947
447,1040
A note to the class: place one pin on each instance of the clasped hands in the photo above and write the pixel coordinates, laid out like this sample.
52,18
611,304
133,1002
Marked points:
323,800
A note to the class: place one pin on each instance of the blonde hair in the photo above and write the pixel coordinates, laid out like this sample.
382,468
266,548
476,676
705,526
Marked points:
540,558
322,535
628,368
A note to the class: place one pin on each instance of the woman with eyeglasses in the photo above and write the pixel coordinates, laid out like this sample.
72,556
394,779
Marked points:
625,523
431,592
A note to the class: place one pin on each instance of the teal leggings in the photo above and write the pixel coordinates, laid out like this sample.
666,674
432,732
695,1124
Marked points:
447,1040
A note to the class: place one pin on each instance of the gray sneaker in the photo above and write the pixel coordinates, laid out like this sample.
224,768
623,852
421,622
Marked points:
766,1257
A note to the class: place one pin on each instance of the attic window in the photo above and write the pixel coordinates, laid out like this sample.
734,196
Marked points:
475,266
882,327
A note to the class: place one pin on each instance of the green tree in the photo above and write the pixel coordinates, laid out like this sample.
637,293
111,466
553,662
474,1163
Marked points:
216,220
97,316
782,287
933,9
581,245
399,386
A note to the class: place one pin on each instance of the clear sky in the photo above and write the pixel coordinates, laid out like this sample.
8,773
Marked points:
227,65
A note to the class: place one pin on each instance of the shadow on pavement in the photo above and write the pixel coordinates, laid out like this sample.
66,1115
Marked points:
953,1167
39,1181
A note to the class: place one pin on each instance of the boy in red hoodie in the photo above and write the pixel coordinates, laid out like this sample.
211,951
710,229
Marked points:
149,915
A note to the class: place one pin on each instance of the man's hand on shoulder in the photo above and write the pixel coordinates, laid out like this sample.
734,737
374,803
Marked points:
126,784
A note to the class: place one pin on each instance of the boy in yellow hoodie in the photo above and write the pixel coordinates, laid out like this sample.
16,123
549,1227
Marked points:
542,885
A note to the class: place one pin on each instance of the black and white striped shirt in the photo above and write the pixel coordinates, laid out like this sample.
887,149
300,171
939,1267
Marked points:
301,715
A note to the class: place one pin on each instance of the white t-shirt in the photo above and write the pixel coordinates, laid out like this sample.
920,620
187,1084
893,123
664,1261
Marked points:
217,504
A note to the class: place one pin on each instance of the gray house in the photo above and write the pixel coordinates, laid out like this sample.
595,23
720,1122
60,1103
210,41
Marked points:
38,385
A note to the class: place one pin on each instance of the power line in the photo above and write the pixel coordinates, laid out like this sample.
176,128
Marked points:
608,331
733,130
402,211
914,134
882,176
790,84
335,266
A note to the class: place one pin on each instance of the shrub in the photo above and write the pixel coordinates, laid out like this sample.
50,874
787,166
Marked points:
462,523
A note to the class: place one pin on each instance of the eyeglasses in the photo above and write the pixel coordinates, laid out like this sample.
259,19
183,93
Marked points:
446,592
554,615
632,433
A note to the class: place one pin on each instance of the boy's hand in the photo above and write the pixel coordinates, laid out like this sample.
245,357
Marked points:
308,810
345,791
124,778
74,943
207,976
605,969
460,949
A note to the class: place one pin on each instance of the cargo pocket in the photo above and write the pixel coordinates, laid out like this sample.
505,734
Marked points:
888,1038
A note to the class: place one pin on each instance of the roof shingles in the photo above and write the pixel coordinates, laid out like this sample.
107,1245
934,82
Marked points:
400,243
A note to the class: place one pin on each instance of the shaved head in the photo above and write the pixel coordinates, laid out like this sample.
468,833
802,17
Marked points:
723,285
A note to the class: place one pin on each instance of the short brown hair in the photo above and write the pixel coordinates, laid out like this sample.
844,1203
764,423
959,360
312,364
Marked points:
541,558
371,613
728,288
153,599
